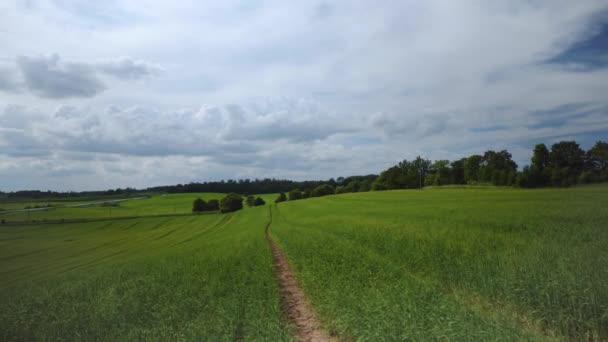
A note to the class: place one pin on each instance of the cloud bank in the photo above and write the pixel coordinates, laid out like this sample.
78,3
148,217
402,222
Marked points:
274,89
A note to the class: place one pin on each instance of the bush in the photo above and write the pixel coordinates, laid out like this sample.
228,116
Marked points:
250,201
3,221
585,177
295,194
259,201
281,198
213,205
199,205
232,202
323,190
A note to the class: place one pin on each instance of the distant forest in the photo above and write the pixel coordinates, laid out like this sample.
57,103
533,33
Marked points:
564,164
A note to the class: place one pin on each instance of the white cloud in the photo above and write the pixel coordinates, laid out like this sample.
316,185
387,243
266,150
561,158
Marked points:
281,89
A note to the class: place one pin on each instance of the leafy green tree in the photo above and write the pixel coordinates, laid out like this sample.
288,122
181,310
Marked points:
378,184
495,167
429,180
323,190
199,205
404,175
232,202
597,161
340,189
281,198
420,167
458,171
539,173
540,157
442,172
295,195
259,201
250,201
365,185
566,161
472,165
306,193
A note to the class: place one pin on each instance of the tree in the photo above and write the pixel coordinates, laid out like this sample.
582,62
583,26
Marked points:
259,201
540,157
306,194
323,190
495,167
538,174
597,161
365,185
199,205
458,171
421,168
295,195
250,201
281,198
232,202
404,175
472,165
213,205
442,173
566,161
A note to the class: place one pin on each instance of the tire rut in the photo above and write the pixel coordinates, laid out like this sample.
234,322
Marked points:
295,307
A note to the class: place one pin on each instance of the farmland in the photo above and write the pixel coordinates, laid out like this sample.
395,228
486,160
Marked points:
160,278
457,264
443,263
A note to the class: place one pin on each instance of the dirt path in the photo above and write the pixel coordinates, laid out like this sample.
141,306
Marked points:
296,308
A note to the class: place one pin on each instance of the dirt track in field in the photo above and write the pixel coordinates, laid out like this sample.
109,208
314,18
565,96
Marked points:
296,308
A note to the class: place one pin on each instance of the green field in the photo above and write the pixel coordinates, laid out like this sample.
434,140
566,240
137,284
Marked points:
206,277
454,264
439,264
155,205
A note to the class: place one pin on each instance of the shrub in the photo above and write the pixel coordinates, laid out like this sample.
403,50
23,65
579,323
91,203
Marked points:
259,201
232,202
295,194
323,190
3,221
213,205
250,201
281,198
199,205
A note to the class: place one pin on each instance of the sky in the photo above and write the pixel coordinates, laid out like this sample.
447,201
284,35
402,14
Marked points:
105,94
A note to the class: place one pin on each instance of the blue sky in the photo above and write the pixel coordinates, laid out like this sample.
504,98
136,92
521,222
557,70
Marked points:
107,94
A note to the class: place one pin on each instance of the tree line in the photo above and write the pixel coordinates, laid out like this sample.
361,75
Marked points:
562,164
231,202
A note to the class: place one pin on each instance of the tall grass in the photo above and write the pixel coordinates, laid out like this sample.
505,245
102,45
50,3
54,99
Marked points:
204,277
480,264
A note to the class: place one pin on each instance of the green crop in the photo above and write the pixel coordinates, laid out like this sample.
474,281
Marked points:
454,264
439,264
206,277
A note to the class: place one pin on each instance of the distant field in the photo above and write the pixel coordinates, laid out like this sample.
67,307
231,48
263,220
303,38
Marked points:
194,278
155,205
477,264
454,264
